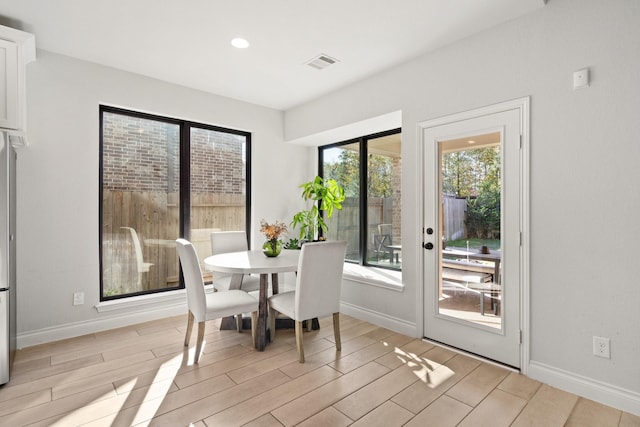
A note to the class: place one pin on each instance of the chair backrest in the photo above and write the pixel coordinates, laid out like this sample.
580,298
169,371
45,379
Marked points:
386,231
192,279
137,248
319,279
223,242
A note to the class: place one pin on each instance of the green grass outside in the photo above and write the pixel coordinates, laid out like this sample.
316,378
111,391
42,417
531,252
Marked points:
493,244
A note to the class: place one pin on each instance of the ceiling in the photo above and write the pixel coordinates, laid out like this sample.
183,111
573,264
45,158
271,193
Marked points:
471,142
187,42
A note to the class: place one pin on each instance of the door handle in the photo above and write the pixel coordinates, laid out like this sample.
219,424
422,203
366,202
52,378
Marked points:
427,245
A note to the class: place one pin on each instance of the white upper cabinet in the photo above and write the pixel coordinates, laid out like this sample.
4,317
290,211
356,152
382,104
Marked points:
9,85
17,48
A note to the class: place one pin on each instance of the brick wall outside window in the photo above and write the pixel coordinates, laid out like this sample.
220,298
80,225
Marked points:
141,155
217,163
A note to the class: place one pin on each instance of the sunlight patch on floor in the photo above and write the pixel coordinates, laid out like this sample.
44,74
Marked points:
87,411
145,401
429,372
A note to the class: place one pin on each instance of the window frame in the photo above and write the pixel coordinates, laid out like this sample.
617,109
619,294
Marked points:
184,221
363,238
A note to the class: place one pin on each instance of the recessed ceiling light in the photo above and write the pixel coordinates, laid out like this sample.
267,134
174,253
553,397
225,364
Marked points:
240,43
471,141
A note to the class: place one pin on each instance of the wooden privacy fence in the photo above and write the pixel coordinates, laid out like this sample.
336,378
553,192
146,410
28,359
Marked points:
453,215
155,218
345,224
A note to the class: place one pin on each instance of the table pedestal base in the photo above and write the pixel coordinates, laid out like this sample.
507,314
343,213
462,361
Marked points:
229,323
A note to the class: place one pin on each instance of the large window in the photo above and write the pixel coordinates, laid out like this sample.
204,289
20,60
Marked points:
369,168
160,179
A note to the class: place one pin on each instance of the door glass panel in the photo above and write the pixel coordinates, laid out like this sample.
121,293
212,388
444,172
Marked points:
140,186
384,170
218,186
470,228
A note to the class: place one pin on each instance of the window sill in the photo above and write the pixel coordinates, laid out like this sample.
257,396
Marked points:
169,297
380,277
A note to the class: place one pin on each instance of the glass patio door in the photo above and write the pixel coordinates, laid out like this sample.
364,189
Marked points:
472,233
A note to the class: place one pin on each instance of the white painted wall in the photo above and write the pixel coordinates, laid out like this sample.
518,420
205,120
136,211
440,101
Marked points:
58,174
584,176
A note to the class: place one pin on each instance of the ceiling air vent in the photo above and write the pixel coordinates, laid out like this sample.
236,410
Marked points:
321,61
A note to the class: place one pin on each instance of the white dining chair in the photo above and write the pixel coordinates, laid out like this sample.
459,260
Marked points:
317,292
231,241
214,305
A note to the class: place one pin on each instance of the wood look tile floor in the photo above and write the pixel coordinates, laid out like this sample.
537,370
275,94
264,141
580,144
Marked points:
143,375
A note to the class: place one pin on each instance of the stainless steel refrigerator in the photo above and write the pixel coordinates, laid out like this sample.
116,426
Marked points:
7,256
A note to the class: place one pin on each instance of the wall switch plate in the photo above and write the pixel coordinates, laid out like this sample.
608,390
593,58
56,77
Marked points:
78,298
580,78
602,347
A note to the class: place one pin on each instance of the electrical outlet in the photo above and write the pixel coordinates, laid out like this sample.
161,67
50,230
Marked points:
78,298
602,347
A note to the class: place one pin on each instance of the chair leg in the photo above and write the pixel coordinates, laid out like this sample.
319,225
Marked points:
336,330
299,343
254,326
199,342
272,323
309,324
239,322
189,328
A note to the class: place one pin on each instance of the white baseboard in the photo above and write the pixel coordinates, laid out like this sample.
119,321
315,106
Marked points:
71,330
380,319
149,313
625,400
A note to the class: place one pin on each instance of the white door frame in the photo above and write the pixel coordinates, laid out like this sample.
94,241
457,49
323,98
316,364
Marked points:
523,105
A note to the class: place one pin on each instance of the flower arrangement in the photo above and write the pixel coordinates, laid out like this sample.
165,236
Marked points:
272,232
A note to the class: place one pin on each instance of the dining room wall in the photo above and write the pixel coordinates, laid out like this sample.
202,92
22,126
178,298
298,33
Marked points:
583,178
58,205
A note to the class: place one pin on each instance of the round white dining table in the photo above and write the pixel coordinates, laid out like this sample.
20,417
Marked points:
255,262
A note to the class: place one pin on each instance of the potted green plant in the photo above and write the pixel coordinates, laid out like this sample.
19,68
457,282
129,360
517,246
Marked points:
330,194
292,243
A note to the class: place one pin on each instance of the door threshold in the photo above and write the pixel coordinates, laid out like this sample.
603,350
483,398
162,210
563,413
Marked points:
471,355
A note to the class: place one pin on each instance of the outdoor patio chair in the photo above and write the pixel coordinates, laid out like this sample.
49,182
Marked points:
383,240
143,267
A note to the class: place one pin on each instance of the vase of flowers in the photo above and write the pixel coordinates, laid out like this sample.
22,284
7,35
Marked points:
273,246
